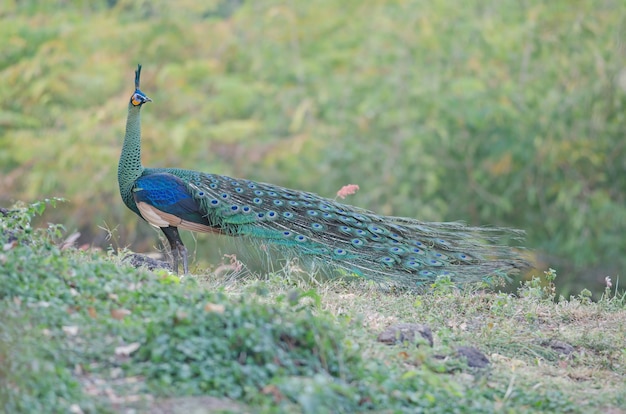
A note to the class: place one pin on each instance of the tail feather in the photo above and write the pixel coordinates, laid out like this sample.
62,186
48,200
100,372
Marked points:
390,250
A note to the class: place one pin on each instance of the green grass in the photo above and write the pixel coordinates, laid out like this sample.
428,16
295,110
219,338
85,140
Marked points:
82,331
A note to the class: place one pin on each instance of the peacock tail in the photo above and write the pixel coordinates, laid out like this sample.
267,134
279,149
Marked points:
323,232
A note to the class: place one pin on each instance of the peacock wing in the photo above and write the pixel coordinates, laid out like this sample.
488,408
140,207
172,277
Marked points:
164,200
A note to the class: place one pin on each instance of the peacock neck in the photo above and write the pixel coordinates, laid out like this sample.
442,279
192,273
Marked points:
129,167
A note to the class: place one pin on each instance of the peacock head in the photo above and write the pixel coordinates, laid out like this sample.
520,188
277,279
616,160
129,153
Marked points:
139,98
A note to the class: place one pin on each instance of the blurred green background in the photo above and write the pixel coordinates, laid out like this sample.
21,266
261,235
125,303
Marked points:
494,112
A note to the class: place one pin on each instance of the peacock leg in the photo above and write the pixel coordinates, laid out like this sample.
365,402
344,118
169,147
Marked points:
176,247
182,250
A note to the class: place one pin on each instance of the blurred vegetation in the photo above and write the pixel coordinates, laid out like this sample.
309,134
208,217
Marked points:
502,112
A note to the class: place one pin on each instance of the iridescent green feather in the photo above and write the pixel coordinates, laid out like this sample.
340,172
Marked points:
390,250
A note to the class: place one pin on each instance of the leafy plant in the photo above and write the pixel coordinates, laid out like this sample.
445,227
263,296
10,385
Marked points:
72,319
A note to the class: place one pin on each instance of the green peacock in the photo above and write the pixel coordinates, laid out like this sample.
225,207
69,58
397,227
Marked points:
390,250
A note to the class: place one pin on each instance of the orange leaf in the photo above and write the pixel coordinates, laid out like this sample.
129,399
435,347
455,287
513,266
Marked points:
120,314
214,307
273,391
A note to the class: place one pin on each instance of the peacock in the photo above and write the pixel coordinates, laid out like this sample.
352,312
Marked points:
352,241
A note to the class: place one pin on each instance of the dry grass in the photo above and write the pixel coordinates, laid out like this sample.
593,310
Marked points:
574,346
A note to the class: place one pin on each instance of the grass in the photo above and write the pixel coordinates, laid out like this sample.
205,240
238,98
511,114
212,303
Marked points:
84,332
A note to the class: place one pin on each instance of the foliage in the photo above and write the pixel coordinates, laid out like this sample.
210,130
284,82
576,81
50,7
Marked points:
72,319
499,112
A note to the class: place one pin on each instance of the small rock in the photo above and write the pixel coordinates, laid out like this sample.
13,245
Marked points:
70,330
139,260
475,358
126,350
75,409
563,348
405,332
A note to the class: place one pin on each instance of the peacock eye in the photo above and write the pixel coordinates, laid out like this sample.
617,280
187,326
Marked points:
137,99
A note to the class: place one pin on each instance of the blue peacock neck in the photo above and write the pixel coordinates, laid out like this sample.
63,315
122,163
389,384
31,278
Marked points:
129,167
